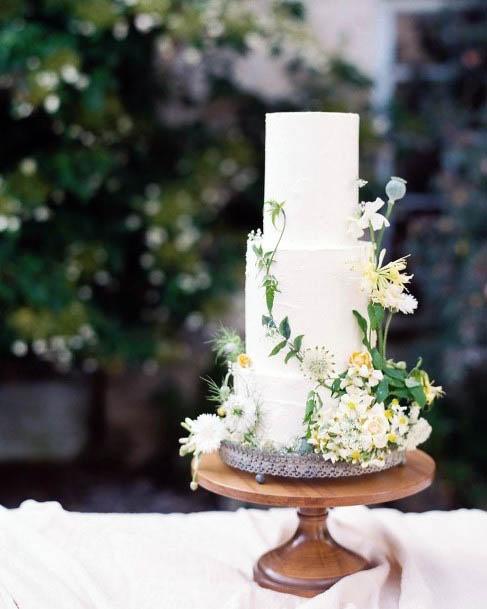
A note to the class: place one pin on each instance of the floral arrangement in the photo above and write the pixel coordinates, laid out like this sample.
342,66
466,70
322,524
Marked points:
357,415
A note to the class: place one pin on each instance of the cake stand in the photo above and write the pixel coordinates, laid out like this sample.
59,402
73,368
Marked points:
311,561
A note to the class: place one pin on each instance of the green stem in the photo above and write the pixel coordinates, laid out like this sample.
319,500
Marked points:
372,237
380,339
386,332
271,259
390,206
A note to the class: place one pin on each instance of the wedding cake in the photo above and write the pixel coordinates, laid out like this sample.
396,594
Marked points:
312,165
312,377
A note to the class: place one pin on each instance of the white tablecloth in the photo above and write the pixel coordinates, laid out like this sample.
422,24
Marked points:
52,559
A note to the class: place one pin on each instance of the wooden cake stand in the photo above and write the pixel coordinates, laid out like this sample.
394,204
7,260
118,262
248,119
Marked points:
311,561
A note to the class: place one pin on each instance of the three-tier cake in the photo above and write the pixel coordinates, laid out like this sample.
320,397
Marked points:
312,384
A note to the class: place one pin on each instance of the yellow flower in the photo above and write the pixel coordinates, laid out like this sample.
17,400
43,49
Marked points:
222,411
391,437
355,455
361,358
389,414
244,360
430,391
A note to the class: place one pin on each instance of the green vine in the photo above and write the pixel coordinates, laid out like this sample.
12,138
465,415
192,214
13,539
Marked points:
265,260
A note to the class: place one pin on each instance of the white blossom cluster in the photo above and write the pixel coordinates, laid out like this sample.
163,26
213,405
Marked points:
359,429
254,235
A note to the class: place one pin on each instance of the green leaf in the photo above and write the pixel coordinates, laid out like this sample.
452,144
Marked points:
362,325
257,250
298,341
278,348
418,395
382,390
377,359
335,387
289,356
285,328
411,382
267,321
401,394
310,406
269,296
395,373
395,382
376,315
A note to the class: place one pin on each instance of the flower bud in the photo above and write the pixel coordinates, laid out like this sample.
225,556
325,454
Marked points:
193,485
395,188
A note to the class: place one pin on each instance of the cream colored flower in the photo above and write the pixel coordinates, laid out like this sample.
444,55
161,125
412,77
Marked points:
377,425
376,278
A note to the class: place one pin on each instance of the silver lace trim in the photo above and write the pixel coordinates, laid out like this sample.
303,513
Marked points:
296,465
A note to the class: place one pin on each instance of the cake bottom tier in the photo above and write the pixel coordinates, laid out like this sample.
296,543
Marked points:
295,465
282,404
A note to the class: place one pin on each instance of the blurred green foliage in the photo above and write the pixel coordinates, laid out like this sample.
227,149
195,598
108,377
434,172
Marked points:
445,120
132,166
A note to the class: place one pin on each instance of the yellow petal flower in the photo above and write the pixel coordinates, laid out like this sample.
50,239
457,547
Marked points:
244,360
360,358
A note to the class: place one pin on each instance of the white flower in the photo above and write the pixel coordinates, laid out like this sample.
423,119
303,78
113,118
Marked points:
395,298
370,217
414,412
377,425
418,434
318,364
206,434
355,229
241,414
375,377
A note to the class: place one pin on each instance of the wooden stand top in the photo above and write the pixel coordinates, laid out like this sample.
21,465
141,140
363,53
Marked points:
413,476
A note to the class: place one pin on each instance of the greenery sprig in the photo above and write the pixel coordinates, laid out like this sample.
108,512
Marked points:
265,260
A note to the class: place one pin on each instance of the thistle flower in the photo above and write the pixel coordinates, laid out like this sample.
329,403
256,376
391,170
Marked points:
241,414
318,364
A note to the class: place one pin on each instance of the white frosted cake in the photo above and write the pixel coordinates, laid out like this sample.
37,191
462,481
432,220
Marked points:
312,165
311,392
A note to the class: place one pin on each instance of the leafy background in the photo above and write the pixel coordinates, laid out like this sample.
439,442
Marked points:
131,172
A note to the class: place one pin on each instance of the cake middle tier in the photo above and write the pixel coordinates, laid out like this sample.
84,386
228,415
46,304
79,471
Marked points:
318,290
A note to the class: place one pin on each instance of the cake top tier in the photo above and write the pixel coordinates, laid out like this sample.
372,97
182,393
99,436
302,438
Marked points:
312,165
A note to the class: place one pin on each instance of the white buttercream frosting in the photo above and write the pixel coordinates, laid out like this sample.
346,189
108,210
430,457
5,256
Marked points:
312,165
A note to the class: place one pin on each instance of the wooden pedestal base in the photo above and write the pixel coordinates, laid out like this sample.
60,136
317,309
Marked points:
310,562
